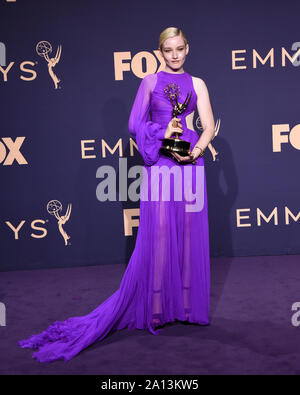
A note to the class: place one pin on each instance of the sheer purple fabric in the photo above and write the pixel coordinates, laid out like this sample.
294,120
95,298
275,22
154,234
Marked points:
148,134
168,275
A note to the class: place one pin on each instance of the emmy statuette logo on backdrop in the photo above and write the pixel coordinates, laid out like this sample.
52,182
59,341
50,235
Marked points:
53,208
43,49
210,146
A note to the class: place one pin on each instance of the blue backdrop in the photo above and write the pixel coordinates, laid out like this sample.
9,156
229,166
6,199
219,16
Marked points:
68,77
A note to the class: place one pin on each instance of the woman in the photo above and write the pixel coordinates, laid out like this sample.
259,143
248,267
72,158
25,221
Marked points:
167,277
175,242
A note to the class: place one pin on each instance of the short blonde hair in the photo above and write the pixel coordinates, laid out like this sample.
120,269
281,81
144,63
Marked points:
168,33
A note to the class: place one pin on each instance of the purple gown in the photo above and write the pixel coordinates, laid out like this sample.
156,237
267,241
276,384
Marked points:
168,274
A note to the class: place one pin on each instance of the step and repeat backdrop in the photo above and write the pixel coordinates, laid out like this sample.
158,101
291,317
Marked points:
69,73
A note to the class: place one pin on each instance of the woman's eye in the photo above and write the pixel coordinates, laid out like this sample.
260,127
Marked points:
180,49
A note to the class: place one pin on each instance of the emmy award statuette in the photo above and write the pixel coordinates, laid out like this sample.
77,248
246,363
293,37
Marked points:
176,144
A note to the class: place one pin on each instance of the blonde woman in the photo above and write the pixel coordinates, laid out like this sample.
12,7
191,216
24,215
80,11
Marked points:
168,274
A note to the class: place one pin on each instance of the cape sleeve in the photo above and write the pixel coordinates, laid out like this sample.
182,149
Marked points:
148,134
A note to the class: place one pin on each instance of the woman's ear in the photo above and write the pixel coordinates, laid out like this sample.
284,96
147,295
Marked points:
187,48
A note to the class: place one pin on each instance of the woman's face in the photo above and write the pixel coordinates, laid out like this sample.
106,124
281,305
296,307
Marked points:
174,52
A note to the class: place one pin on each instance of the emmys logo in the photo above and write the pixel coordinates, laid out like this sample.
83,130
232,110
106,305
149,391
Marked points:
23,66
282,134
34,226
14,153
2,314
43,49
237,60
295,320
105,148
259,217
53,208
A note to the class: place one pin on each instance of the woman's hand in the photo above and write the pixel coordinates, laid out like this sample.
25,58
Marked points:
171,130
197,152
186,159
189,158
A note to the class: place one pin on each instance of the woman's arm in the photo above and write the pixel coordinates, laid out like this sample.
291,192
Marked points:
207,122
205,114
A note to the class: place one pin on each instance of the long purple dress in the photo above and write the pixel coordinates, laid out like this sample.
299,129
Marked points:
168,274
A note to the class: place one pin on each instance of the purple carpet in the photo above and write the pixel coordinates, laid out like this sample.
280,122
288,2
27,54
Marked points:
250,332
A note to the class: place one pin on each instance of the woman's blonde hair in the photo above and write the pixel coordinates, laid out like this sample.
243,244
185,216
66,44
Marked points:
168,33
